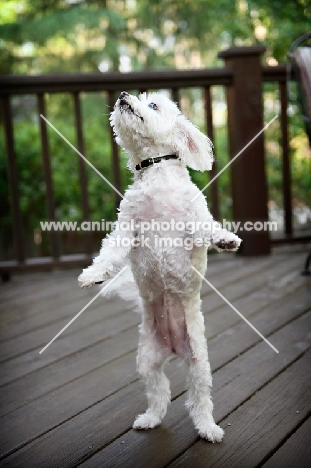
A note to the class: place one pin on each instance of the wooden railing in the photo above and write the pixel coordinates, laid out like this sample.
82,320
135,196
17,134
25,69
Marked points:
242,76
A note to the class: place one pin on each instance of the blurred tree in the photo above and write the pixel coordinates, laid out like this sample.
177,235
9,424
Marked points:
52,35
40,36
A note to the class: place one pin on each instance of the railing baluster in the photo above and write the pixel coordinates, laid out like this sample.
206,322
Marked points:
113,83
82,172
175,95
286,170
13,181
47,175
210,132
115,154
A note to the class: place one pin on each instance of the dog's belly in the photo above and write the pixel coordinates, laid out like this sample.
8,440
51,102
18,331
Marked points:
170,324
168,269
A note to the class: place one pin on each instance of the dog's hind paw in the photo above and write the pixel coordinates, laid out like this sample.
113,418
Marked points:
146,421
212,433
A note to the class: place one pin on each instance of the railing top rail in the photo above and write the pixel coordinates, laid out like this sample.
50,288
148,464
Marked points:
20,84
116,81
275,73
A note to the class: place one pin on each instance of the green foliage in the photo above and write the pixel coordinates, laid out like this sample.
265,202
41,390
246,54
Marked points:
86,35
300,153
44,36
61,22
83,33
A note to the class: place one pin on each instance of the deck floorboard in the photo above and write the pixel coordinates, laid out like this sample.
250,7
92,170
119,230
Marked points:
74,404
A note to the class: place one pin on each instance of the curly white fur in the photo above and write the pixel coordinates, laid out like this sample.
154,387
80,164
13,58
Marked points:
160,278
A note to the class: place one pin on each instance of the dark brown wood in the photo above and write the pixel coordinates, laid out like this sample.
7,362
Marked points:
45,263
175,96
210,132
245,445
115,81
245,120
47,175
292,240
286,169
14,195
276,74
76,402
294,450
115,154
82,172
242,52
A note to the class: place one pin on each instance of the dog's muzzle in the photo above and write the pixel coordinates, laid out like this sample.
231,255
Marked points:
125,106
123,102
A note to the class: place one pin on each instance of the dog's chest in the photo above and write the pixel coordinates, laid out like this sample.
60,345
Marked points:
160,195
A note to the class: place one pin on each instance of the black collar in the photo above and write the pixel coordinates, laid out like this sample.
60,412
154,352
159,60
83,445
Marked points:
151,161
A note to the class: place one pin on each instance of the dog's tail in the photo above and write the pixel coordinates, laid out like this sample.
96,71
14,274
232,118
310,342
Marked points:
125,287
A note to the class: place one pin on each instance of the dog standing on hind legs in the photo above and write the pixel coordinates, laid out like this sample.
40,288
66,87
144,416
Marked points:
163,205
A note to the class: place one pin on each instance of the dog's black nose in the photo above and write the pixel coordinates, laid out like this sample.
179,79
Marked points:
123,94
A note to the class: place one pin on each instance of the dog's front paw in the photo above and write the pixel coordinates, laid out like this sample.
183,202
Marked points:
227,243
146,421
212,433
229,246
91,276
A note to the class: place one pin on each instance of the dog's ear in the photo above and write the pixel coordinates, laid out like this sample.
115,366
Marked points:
194,148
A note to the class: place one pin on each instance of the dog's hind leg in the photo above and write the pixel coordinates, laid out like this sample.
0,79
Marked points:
199,402
151,360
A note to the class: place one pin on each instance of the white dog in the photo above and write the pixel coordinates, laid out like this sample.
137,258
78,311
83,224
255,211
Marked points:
164,229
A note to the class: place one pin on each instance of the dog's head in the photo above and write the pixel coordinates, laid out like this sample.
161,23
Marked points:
152,125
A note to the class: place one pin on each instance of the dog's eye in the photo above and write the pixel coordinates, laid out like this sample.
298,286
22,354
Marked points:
153,106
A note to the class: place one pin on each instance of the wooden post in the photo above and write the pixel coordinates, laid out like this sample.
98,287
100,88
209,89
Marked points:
245,120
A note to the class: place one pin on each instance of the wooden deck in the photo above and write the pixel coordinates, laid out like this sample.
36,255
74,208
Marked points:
74,404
